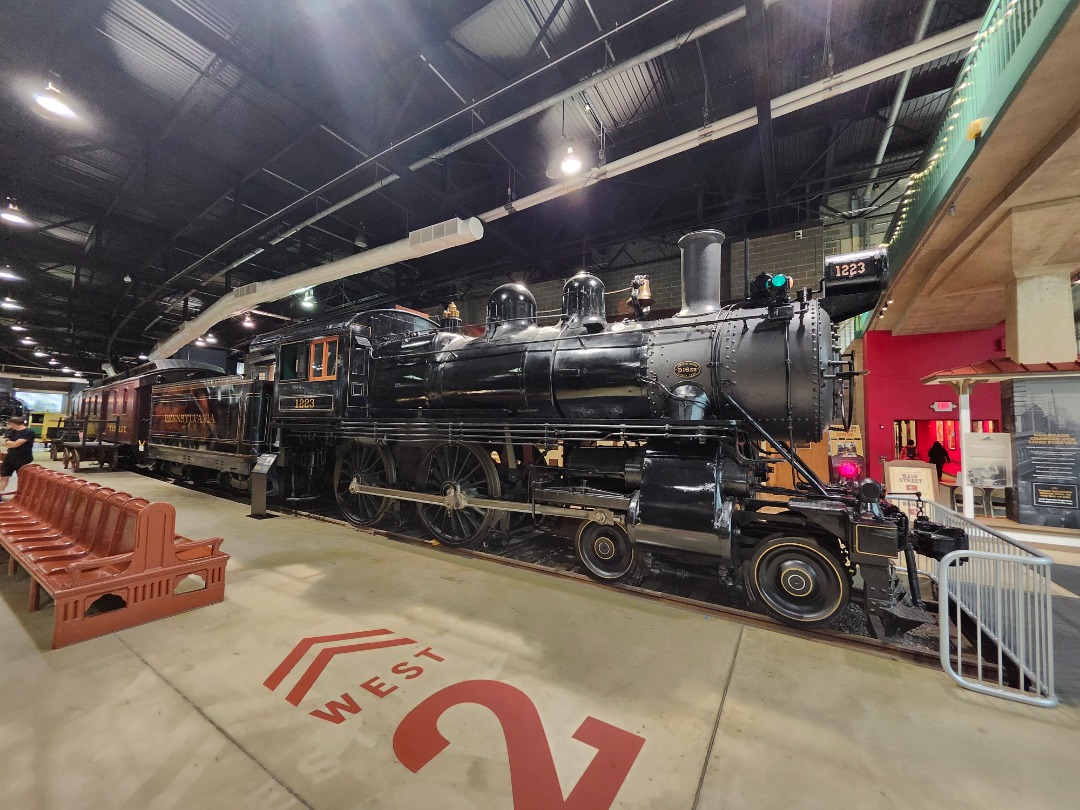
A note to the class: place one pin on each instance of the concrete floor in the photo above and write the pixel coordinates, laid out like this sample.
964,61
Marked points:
686,711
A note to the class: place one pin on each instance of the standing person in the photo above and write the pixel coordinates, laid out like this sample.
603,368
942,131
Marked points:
911,451
20,449
939,457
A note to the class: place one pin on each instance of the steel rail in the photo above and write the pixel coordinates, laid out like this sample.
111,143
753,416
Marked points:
925,657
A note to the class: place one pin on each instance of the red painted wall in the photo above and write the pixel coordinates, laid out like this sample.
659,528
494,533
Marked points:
893,388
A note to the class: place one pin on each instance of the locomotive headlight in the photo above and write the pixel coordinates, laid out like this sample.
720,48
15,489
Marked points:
779,280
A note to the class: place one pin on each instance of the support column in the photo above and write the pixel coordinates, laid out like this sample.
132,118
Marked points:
1043,258
1039,316
966,490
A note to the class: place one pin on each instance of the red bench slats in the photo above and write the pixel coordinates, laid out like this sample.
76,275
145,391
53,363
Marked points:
109,560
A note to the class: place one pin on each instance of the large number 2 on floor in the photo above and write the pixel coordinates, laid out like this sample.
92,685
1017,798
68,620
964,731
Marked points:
533,779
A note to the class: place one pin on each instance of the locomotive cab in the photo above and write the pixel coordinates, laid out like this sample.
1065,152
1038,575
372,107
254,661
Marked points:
323,367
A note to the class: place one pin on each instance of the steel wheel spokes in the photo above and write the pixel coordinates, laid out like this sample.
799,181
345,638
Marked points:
452,469
367,464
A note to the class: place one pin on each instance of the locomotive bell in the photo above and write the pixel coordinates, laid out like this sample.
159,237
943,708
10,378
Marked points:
510,308
701,266
583,303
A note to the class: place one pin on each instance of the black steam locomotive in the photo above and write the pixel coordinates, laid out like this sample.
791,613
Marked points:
653,438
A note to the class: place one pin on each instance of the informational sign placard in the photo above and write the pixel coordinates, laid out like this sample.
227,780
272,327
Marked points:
264,463
988,459
846,442
906,477
1044,416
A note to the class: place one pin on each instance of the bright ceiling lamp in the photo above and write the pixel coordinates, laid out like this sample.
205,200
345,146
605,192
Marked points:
53,361
210,338
18,327
200,342
11,303
28,341
40,353
567,160
52,100
248,322
308,301
12,214
570,163
7,274
144,357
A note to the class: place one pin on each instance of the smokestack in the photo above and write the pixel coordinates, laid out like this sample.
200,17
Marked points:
700,273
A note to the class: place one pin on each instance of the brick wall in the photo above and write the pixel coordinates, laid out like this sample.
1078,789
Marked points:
802,259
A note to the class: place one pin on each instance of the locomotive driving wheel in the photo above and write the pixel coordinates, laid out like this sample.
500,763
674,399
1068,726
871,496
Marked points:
798,581
606,552
454,470
368,464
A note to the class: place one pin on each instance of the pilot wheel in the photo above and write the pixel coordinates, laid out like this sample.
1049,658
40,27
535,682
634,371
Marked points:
606,552
458,472
368,465
798,581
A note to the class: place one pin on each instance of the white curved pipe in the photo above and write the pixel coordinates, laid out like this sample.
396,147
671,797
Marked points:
432,239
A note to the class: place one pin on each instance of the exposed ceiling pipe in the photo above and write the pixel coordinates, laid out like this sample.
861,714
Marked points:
370,159
897,102
432,239
498,126
918,53
480,135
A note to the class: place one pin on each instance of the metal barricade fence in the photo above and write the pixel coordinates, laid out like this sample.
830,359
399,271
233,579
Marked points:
999,592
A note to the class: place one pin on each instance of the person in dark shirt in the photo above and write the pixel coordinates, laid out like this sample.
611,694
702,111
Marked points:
19,447
939,457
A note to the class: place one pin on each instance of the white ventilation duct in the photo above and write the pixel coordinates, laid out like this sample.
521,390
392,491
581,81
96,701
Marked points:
432,239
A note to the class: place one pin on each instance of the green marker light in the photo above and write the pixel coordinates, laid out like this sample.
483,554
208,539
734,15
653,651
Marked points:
779,280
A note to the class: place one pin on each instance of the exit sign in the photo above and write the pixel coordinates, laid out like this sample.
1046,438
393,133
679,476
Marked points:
943,407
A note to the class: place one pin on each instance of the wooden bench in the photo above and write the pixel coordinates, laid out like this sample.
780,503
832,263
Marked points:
110,561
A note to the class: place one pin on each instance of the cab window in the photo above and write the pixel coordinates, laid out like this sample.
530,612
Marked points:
293,364
323,359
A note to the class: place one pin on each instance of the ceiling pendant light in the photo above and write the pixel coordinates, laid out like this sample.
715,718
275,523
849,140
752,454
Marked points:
571,163
210,338
28,341
13,215
7,274
308,301
144,357
18,327
40,353
250,324
52,100
11,303
53,361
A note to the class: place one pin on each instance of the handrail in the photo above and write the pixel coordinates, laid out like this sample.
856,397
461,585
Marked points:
1032,644
999,589
1009,40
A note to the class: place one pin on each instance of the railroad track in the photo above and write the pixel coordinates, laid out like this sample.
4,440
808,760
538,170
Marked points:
705,596
554,557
